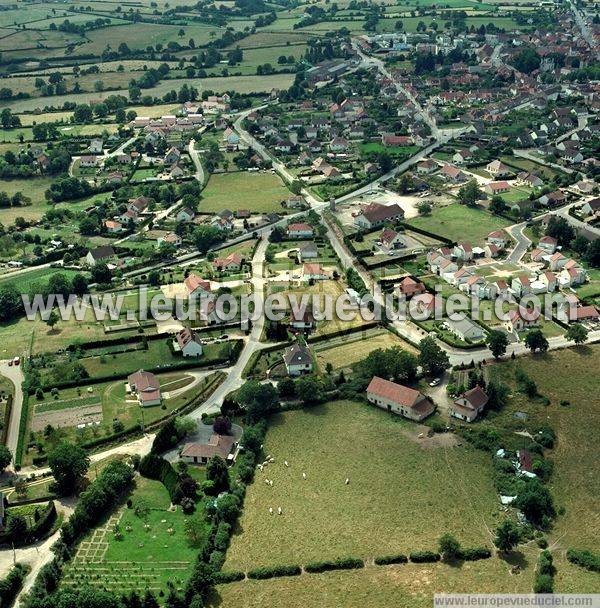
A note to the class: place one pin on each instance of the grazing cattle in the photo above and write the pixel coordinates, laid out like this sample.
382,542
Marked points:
285,462
303,475
347,481
279,510
271,510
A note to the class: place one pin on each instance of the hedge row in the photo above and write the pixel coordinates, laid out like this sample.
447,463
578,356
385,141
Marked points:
391,559
342,332
274,572
585,559
12,584
233,576
6,421
422,557
343,563
155,467
474,554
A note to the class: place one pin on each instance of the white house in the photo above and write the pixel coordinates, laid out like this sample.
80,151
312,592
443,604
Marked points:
469,405
188,343
298,360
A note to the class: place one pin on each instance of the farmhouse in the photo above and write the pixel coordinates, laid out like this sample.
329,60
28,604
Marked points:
399,399
298,360
146,387
224,446
375,215
469,405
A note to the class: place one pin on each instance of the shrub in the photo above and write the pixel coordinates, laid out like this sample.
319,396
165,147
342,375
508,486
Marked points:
475,553
222,578
391,559
273,572
421,557
543,584
344,563
545,565
12,584
585,559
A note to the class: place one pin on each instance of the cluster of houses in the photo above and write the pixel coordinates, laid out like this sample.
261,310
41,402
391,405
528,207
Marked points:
134,213
560,271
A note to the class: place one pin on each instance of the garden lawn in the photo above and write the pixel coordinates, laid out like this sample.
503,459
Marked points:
460,223
401,497
257,192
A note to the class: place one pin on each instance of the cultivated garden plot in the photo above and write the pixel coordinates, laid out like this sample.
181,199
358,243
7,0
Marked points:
138,548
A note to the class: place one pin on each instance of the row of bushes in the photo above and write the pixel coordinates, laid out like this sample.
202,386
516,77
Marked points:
274,572
585,559
544,576
423,557
12,584
343,563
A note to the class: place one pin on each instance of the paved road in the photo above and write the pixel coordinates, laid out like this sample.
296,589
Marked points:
593,232
15,374
234,374
523,242
586,32
199,174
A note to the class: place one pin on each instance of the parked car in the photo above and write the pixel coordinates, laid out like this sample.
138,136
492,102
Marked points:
435,382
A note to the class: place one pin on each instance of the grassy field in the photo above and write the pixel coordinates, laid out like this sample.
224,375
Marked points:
401,496
257,192
405,586
458,222
570,375
345,351
32,188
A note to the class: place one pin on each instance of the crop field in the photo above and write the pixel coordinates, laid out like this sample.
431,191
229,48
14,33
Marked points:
384,509
140,550
568,376
257,192
458,223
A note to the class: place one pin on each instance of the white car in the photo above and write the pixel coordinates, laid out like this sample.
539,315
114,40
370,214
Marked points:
435,382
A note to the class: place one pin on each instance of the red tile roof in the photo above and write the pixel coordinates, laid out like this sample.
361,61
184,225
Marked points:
403,395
